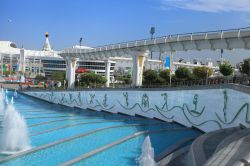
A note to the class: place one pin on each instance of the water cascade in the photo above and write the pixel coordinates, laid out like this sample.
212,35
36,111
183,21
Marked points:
12,100
1,102
6,99
14,136
147,155
22,79
15,94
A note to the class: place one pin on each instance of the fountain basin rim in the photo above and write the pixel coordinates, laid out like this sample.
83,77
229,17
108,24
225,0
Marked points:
15,152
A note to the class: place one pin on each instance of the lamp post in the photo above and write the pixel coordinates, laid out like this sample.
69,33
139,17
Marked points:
80,42
113,81
64,84
207,76
152,32
78,80
221,55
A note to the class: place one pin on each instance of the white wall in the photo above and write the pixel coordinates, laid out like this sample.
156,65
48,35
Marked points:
207,110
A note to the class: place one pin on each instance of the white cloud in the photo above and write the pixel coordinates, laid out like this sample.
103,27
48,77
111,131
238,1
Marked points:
209,5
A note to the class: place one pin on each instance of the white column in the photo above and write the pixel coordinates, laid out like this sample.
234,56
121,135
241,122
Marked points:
34,66
66,72
39,67
138,64
11,66
22,61
163,59
71,72
107,72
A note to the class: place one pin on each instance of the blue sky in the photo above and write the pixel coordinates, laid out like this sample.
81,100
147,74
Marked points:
110,21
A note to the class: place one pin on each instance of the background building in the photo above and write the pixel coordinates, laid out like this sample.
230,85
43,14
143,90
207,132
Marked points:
15,61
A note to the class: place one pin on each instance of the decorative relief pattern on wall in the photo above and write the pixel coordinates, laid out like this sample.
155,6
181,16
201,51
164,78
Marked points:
224,120
164,110
94,103
143,105
71,99
66,98
194,112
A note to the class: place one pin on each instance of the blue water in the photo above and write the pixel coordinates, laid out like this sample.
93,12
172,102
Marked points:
49,123
160,141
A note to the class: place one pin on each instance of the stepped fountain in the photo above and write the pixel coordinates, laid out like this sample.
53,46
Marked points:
147,155
12,100
6,99
15,94
14,136
1,102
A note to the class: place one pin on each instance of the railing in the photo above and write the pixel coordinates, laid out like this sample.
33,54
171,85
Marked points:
162,39
174,35
197,82
175,84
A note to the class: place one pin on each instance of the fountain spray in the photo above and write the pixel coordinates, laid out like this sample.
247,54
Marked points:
147,155
15,136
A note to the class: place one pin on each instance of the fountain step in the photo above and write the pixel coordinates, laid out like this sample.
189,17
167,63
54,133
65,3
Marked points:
116,143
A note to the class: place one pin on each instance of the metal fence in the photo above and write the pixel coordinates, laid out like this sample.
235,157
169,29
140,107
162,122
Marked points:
175,84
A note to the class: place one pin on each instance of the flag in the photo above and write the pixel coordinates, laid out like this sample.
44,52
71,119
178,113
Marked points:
167,63
17,66
4,67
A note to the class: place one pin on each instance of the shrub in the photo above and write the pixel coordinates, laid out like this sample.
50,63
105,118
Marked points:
58,76
183,73
245,67
150,76
91,78
165,75
202,72
226,69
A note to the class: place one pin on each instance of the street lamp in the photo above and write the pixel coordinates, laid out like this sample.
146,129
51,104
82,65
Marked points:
78,80
152,32
80,42
207,76
221,55
64,84
113,81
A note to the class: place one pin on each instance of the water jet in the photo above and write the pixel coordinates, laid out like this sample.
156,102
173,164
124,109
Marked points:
147,154
14,137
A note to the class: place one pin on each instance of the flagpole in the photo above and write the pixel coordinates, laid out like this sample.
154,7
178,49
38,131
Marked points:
170,68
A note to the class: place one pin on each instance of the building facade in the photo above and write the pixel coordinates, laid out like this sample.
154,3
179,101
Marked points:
14,60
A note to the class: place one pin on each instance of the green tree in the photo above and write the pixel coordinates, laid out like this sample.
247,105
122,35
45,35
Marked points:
150,77
202,72
226,69
40,78
20,72
126,79
58,76
165,75
160,80
245,67
183,73
90,78
7,73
